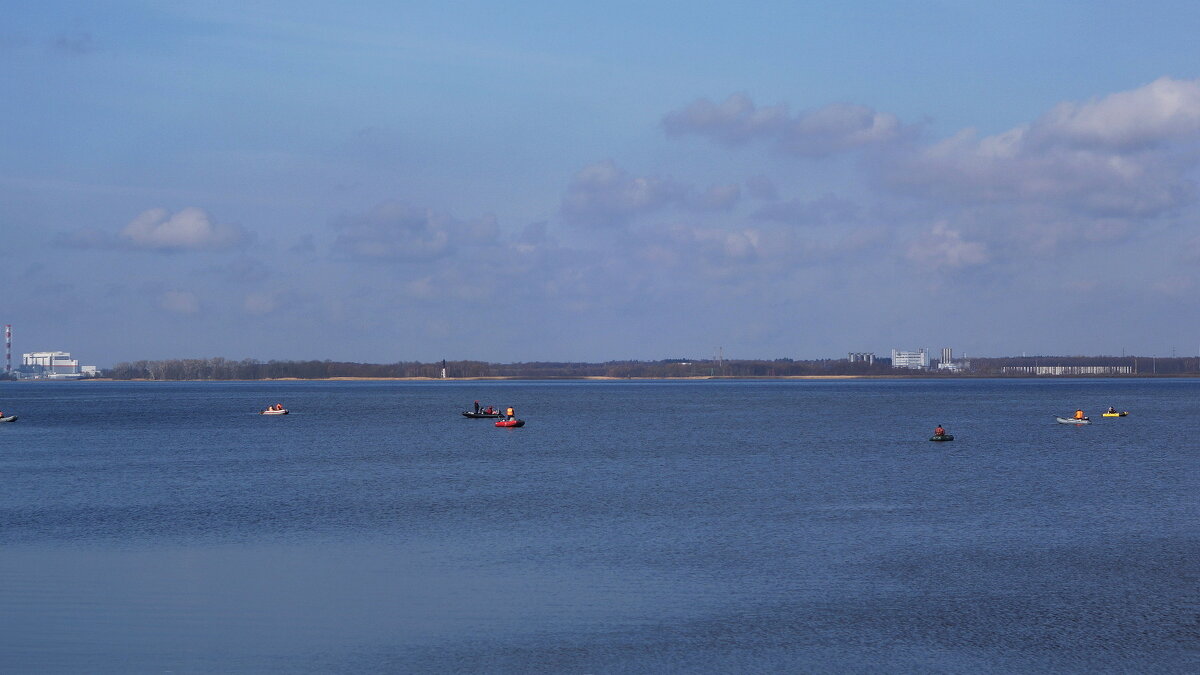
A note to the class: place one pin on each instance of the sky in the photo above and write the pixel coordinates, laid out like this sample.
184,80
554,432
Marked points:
539,181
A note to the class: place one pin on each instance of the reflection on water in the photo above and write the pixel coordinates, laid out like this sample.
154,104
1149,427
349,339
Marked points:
710,526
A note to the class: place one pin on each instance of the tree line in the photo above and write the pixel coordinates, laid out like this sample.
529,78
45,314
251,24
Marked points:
252,369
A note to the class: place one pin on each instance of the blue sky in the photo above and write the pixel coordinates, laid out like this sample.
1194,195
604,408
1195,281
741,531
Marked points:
476,180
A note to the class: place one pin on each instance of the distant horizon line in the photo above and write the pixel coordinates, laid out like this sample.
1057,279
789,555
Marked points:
884,356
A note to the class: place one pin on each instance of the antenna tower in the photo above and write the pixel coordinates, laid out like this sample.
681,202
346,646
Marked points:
8,348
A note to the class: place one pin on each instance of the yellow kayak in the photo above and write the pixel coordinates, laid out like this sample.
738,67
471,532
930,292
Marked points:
1120,414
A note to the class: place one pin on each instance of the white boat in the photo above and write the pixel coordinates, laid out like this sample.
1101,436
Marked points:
1064,420
273,411
10,418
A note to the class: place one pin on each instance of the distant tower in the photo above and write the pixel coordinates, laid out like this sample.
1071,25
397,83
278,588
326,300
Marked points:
8,348
443,369
947,355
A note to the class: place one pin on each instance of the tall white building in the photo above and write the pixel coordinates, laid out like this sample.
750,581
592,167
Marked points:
948,362
918,360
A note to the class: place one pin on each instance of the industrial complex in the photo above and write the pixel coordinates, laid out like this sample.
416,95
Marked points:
43,365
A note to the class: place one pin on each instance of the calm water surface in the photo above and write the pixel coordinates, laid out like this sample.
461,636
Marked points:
629,527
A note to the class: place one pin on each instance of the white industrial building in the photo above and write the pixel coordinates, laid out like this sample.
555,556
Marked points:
1067,370
53,365
918,360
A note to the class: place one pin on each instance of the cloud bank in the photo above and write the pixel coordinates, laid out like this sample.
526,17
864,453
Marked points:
1129,154
751,238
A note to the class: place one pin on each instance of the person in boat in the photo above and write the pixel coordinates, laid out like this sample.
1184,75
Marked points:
1079,415
489,410
476,407
939,431
510,413
1111,409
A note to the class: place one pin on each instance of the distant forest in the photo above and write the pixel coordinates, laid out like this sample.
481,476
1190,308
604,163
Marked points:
250,369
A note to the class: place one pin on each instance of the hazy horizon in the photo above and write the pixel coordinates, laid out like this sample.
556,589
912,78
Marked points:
417,181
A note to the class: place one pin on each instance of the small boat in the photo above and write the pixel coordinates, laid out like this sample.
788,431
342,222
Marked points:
481,415
1116,414
10,418
941,437
273,411
1064,420
510,423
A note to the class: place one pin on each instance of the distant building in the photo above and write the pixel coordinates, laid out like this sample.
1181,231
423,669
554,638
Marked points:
1067,370
918,360
948,362
862,357
52,365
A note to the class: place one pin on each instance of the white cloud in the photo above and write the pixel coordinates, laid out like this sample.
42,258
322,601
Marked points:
943,247
1163,111
188,230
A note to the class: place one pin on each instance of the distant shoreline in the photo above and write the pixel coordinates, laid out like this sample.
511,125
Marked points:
503,378
607,378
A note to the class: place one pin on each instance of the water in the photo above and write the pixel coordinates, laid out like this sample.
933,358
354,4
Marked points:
629,527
